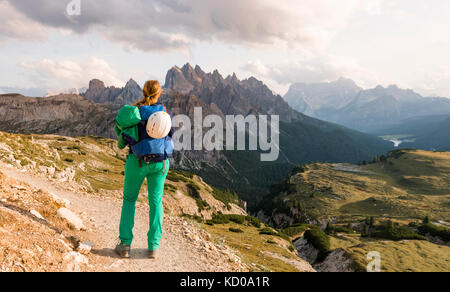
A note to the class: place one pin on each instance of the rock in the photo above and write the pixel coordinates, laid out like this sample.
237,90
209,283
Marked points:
39,248
20,188
37,214
73,261
68,248
87,185
73,220
56,153
337,261
51,171
85,247
59,200
66,175
306,250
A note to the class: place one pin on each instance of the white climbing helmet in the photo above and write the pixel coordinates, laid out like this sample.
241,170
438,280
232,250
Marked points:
159,125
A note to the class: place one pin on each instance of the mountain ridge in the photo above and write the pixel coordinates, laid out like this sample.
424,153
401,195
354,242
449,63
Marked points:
366,110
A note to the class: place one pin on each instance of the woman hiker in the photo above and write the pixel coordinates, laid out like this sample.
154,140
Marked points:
147,129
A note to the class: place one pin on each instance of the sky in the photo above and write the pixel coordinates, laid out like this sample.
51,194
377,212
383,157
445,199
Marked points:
49,46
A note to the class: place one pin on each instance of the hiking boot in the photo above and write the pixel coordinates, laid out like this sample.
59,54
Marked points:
123,250
152,254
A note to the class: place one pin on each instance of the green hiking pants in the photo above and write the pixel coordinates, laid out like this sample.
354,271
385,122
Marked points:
134,177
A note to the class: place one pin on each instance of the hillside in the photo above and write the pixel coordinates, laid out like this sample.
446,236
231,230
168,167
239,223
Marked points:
409,184
85,174
378,206
397,256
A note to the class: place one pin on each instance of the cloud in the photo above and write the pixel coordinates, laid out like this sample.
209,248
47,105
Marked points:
436,83
310,68
60,75
158,25
15,25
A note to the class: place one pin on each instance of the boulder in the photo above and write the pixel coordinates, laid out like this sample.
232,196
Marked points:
37,214
73,261
74,221
59,200
85,247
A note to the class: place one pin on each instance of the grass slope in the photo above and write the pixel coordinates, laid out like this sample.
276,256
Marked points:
410,184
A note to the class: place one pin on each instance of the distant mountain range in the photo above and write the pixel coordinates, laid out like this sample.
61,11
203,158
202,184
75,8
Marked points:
302,138
77,91
372,110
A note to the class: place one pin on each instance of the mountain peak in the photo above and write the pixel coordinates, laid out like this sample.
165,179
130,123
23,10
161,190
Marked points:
131,82
199,71
346,81
96,84
187,68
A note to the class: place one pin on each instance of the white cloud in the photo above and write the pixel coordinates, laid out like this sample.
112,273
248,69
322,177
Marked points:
60,75
158,25
15,25
435,84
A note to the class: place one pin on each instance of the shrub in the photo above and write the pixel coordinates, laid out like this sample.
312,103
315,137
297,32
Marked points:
295,229
271,241
238,219
194,217
268,231
396,232
70,160
291,248
193,191
184,173
236,230
73,148
434,230
332,229
253,221
170,187
219,219
176,176
320,240
225,197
